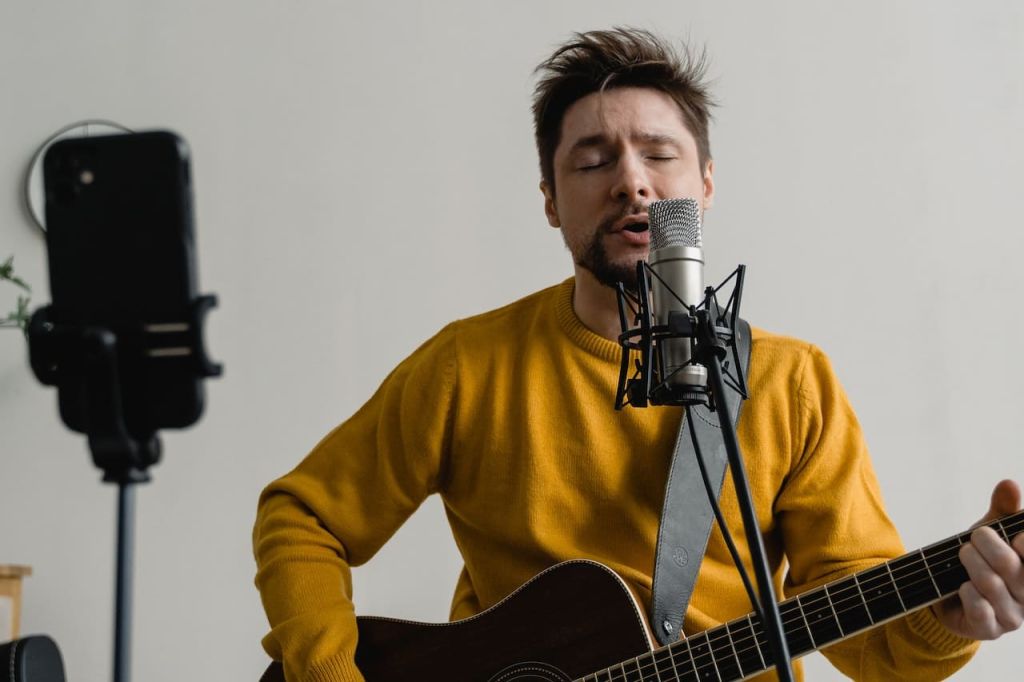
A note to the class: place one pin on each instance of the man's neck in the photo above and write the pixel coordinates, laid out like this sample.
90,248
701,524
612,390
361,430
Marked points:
596,305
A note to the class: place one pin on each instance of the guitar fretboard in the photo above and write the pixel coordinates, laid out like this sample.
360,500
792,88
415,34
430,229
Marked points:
815,619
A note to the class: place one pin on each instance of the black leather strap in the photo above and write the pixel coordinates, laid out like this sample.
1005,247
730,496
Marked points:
686,514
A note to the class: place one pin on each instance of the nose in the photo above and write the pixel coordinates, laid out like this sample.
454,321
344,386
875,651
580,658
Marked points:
631,181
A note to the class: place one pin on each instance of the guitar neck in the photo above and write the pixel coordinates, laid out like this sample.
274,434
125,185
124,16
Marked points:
828,614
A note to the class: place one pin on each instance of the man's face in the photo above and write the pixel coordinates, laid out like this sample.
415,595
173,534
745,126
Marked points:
620,150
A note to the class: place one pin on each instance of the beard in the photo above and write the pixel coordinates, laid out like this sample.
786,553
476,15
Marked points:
595,259
593,256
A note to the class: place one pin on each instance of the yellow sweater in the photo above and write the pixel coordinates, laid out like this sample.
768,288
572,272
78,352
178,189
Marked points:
509,416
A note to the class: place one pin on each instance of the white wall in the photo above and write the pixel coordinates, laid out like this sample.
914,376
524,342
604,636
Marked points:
365,173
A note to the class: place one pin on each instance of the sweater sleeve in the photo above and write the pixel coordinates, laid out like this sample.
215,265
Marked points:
834,523
341,504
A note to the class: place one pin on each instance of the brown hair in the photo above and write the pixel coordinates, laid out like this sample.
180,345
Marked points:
598,60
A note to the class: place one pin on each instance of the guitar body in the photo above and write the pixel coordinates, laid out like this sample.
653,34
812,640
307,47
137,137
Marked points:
567,622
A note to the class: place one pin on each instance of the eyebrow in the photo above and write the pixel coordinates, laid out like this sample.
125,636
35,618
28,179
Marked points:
600,139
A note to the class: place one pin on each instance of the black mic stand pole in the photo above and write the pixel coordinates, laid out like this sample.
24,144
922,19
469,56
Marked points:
710,350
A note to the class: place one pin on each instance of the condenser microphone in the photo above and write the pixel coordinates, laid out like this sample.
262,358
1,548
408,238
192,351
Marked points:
676,257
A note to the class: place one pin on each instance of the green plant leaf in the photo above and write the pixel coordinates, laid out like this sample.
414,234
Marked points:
7,272
20,316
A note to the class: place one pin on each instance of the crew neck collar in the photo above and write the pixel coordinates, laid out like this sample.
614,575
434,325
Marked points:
579,333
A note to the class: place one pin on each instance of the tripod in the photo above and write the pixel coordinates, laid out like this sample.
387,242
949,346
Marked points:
85,363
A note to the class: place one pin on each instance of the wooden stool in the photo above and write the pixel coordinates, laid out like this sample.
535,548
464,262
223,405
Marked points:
10,599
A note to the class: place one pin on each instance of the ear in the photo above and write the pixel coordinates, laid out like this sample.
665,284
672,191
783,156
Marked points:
549,205
709,185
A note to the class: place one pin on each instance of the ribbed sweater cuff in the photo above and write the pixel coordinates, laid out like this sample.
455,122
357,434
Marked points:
337,669
926,625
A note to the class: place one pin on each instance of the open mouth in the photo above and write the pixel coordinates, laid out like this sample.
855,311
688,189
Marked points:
635,227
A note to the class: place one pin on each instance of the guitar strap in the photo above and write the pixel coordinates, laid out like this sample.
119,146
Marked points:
686,514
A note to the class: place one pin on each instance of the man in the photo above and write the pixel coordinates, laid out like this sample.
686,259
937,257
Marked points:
508,416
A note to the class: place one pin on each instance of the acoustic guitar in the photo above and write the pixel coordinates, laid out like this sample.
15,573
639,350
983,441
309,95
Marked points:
578,622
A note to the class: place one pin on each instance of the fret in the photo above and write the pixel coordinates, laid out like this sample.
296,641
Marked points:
913,582
648,663
746,654
682,662
757,644
723,653
706,666
851,609
864,600
699,655
662,670
637,664
672,660
880,590
732,645
1017,523
931,576
639,673
944,561
693,663
798,635
807,625
818,612
835,614
895,587
654,664
1002,531
762,639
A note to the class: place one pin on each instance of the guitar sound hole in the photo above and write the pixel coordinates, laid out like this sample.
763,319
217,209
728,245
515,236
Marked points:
531,671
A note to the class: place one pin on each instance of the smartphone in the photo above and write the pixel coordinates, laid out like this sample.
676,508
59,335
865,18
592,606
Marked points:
120,242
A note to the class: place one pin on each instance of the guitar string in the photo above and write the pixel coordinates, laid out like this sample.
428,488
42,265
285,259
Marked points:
714,644
649,660
719,644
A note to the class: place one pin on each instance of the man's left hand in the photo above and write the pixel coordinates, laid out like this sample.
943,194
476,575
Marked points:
992,602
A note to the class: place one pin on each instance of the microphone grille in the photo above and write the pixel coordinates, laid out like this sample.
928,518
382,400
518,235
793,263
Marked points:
674,222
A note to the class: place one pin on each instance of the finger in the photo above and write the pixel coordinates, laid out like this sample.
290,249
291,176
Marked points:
989,585
1006,499
1003,559
1018,545
979,617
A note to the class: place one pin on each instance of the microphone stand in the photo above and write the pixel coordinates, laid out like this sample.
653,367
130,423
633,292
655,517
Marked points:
711,345
710,350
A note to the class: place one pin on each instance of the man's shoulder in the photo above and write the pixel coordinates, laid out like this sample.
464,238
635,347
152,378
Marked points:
765,341
781,358
783,354
515,317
